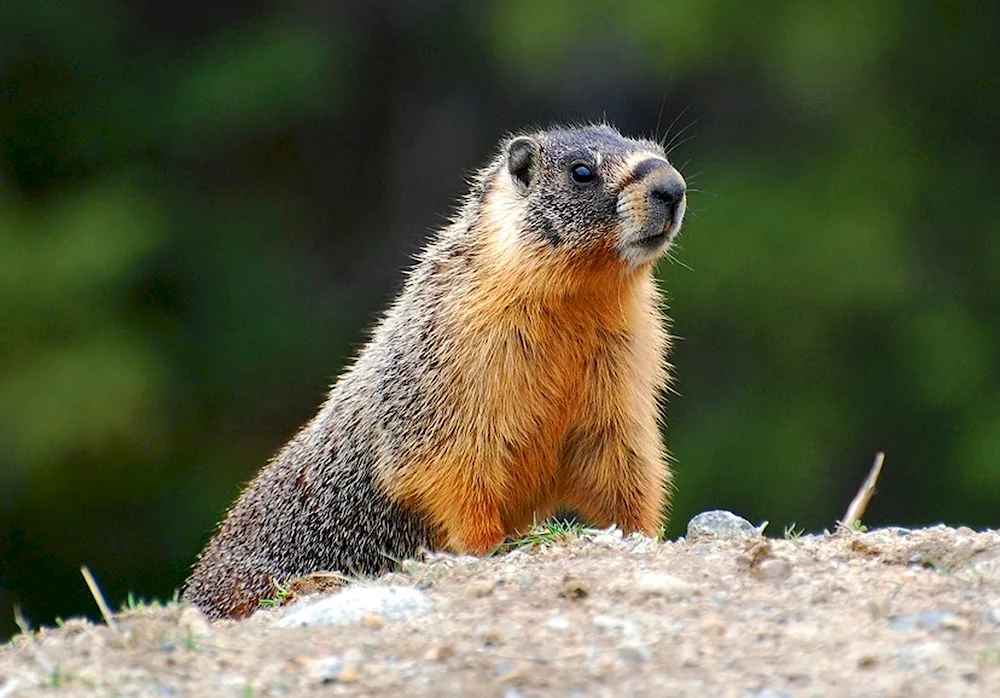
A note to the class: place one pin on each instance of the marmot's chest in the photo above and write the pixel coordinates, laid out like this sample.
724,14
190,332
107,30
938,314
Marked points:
517,382
528,374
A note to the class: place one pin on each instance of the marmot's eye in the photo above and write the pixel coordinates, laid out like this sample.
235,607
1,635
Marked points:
582,174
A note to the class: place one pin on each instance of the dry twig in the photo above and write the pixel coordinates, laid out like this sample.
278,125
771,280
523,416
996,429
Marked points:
864,495
99,598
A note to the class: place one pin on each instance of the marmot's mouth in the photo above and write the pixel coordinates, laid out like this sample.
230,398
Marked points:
656,239
648,243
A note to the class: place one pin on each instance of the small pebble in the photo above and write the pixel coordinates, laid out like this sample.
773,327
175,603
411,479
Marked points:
350,672
611,537
326,669
372,621
482,587
720,524
508,670
952,622
503,666
931,656
635,654
688,657
573,588
557,623
663,585
626,627
525,579
411,567
772,569
348,675
492,638
439,653
929,620
713,626
867,661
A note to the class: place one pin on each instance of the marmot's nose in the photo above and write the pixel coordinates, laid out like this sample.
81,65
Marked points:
666,191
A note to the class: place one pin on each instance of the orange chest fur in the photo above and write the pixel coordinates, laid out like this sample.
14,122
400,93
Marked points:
523,376
521,373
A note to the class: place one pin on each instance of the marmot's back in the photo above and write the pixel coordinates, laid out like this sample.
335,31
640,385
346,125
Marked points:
518,372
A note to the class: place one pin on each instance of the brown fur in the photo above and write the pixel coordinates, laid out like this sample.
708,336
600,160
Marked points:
517,373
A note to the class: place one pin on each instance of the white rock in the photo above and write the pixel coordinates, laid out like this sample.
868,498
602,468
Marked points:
720,524
626,627
352,604
557,622
326,668
659,584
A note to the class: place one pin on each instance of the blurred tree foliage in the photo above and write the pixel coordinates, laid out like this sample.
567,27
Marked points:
203,205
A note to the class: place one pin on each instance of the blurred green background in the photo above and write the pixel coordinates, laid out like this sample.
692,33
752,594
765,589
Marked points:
204,205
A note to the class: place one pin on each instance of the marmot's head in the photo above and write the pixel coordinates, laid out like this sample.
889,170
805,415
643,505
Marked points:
588,193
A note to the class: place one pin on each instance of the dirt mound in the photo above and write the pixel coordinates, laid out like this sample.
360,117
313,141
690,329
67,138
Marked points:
891,612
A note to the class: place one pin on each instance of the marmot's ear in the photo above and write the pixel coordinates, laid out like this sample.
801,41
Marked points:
520,154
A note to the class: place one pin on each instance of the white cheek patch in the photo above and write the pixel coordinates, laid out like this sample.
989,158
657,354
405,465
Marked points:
505,206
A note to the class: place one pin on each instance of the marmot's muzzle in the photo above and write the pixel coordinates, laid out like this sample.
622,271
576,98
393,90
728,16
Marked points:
652,206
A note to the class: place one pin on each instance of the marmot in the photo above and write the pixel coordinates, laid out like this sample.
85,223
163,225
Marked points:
517,372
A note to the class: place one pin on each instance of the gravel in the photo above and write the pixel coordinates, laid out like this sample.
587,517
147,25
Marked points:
879,613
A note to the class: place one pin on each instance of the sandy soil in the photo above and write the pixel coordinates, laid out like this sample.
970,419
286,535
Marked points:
884,613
